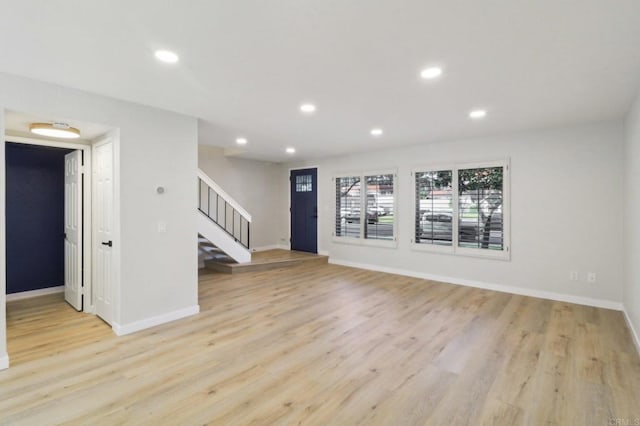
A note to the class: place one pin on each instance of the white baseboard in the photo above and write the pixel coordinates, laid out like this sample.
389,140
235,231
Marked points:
634,332
122,330
598,303
4,362
323,252
35,293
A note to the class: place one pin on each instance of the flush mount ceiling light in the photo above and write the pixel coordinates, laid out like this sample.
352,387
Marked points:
241,141
308,108
431,73
376,132
477,113
55,130
166,56
290,150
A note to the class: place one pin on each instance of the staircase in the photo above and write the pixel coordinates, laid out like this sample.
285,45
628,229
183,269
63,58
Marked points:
223,236
223,225
207,251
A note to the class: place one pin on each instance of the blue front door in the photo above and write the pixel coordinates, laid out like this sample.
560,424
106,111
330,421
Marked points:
304,210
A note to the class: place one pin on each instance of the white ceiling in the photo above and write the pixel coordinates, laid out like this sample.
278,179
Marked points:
246,65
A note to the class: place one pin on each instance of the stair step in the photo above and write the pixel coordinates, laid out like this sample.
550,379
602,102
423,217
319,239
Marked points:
220,259
211,252
211,249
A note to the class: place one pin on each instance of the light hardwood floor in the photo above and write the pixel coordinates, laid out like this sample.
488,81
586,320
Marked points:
325,344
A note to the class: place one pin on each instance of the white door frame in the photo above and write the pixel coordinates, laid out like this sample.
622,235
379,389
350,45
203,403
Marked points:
88,305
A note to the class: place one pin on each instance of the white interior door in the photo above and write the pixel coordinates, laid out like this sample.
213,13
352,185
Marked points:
73,229
103,225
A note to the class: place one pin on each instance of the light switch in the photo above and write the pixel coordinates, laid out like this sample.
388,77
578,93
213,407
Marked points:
162,226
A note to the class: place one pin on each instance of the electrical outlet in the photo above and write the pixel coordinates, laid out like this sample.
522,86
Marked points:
591,277
573,275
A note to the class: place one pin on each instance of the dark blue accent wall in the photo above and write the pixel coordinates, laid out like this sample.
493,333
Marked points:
35,217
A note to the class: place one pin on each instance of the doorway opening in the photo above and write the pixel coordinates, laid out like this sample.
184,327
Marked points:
48,202
56,209
35,218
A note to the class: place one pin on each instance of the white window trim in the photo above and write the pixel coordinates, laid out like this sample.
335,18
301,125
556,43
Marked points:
362,241
454,249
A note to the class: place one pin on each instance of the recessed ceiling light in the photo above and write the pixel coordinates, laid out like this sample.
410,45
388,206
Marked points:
241,141
376,132
55,130
290,150
431,73
477,113
166,56
308,108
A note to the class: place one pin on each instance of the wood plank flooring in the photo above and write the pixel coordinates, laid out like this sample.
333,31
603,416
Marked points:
322,345
44,326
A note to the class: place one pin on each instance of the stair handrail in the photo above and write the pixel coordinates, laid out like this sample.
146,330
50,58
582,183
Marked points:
221,192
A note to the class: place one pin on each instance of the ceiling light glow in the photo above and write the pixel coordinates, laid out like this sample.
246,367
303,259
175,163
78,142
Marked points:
241,141
308,108
376,132
431,73
166,56
477,113
55,130
290,150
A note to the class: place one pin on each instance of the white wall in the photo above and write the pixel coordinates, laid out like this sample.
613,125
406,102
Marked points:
632,218
256,185
158,274
566,195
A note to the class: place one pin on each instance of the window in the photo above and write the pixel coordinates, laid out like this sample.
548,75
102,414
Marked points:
434,207
480,199
365,208
462,209
348,207
304,183
380,212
